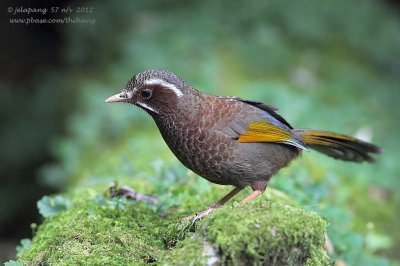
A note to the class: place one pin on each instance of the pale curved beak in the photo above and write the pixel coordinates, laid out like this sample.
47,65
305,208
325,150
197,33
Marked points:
120,97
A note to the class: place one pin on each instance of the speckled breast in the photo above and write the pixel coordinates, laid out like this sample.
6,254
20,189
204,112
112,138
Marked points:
207,153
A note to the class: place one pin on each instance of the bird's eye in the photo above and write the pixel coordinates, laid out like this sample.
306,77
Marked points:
145,94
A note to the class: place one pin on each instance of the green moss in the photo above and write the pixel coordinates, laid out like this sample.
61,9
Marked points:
102,231
318,257
187,252
108,234
265,232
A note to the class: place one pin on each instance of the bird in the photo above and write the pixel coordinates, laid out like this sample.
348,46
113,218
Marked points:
229,140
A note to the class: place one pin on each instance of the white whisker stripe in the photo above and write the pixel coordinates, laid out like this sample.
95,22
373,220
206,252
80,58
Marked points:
145,106
166,85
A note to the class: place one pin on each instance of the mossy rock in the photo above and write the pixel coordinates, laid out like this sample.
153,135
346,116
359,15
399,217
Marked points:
265,232
122,232
257,233
96,235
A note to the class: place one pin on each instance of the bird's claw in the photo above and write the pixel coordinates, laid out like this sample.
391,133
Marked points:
194,218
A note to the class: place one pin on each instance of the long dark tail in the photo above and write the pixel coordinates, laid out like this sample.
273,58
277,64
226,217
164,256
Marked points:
338,146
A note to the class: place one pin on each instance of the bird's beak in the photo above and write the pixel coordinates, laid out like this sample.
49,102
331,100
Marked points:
120,97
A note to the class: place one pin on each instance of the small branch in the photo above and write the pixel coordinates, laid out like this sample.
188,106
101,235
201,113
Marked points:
130,193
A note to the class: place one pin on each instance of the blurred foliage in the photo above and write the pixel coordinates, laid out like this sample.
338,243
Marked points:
50,206
327,65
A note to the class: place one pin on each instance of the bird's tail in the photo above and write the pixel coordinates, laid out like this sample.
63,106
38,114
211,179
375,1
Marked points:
338,146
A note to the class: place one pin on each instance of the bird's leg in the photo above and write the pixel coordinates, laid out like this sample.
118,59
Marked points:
226,198
258,188
213,206
252,196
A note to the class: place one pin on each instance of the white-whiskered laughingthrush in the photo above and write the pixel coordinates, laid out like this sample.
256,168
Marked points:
228,140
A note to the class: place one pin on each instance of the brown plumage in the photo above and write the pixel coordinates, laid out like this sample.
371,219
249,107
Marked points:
228,140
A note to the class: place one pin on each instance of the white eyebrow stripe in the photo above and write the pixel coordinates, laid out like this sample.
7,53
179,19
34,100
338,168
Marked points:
165,84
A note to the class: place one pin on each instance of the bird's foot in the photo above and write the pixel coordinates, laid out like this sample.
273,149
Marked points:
212,207
194,218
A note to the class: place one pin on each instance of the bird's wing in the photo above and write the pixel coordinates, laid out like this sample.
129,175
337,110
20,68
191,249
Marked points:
262,124
267,108
264,131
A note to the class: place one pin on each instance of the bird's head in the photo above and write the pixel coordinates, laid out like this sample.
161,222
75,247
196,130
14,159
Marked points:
156,91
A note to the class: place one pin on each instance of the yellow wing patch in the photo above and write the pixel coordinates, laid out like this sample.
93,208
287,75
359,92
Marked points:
266,132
